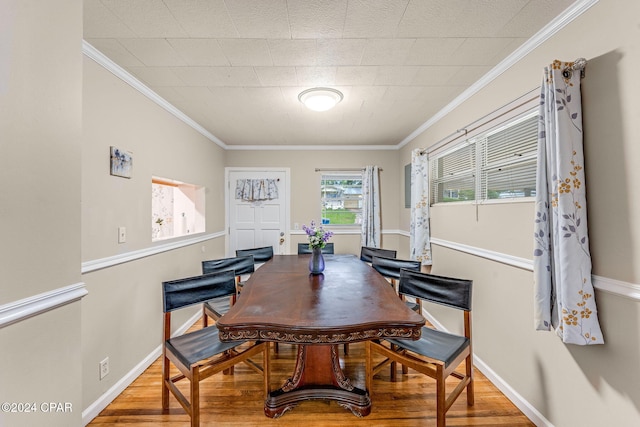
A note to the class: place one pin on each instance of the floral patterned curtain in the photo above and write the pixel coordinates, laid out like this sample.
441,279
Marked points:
370,235
564,297
420,235
256,189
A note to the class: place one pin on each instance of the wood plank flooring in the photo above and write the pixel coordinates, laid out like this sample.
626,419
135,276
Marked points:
236,400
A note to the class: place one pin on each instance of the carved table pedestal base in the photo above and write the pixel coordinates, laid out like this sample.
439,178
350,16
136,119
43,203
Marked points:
317,375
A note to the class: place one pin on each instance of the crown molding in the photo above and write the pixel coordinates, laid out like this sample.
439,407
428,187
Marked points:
91,52
571,13
310,147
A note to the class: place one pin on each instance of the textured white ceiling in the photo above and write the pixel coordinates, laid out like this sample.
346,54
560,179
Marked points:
236,67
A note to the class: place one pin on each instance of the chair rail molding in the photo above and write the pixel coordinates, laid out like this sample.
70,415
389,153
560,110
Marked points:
41,303
604,284
98,264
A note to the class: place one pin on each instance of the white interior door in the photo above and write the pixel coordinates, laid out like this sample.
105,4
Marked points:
258,223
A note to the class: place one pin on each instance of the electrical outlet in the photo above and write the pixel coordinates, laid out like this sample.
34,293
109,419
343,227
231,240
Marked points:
122,234
104,368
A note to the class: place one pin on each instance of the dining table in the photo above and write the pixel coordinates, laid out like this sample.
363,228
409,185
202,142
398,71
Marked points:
348,302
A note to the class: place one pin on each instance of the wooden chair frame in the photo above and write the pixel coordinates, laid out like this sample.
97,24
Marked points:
393,352
216,357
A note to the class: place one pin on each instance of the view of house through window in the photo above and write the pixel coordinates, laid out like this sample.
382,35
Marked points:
177,209
497,164
341,195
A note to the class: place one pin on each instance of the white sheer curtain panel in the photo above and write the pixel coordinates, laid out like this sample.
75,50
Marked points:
564,296
371,207
420,235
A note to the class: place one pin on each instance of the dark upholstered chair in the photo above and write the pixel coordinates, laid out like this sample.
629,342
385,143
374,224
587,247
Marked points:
215,308
390,268
303,248
436,354
367,252
260,255
200,354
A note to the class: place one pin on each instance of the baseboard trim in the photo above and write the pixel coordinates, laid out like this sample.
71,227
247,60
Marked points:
516,398
103,401
41,303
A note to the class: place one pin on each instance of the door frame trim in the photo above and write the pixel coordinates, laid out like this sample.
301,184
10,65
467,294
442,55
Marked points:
287,208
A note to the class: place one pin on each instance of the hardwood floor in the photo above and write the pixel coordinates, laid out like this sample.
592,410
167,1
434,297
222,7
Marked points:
236,400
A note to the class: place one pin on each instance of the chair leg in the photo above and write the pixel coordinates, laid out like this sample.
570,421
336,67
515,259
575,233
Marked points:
470,386
441,410
393,366
368,367
205,319
195,397
266,369
165,378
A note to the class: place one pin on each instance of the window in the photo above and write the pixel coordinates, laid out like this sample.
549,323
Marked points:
496,164
341,197
177,209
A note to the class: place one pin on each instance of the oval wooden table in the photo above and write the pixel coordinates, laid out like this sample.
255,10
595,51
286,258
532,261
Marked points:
349,302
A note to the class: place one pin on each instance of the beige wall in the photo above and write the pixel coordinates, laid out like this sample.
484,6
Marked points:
122,314
40,139
568,385
65,208
305,185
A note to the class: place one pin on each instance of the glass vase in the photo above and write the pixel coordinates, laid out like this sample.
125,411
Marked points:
316,262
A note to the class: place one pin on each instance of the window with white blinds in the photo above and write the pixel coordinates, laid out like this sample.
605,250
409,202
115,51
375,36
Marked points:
453,174
497,164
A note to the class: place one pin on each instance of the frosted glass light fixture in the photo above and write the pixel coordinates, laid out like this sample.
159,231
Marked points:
320,98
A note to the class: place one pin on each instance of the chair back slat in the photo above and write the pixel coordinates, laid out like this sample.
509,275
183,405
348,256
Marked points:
366,253
241,265
260,255
304,248
448,291
193,290
390,267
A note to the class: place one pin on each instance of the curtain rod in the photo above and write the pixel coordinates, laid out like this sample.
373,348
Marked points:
342,169
578,64
466,129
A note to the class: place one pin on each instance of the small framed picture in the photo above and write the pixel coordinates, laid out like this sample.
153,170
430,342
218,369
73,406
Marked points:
121,163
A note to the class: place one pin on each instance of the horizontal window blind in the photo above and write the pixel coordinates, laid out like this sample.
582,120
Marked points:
499,163
453,175
508,163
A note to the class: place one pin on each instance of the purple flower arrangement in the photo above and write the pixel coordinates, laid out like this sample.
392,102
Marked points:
318,236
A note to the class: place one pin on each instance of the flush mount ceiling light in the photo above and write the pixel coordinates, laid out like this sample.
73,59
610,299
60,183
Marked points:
320,98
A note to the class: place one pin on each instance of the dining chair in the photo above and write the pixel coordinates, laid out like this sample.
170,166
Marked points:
260,255
200,354
215,308
366,252
304,248
390,268
436,354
